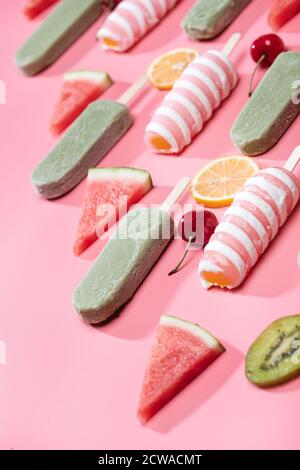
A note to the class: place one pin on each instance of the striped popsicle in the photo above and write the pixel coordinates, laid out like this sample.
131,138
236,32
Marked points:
248,226
204,84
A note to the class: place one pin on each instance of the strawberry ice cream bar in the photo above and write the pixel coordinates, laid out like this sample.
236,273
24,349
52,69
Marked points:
248,227
204,84
131,20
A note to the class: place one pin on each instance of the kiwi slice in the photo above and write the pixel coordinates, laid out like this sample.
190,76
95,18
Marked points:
274,357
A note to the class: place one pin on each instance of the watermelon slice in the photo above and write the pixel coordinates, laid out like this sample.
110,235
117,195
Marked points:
80,88
109,194
182,350
283,11
34,7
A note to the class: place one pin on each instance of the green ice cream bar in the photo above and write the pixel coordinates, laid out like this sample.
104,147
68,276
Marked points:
84,144
271,109
208,18
139,240
60,29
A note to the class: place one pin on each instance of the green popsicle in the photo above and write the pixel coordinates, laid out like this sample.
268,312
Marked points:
60,29
271,109
121,267
208,18
84,144
133,249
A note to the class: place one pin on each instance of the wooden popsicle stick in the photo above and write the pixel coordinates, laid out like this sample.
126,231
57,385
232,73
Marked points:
175,194
133,90
231,44
293,161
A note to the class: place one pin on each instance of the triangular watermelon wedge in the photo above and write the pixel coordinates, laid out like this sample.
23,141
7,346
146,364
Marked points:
181,351
34,7
109,194
80,88
283,11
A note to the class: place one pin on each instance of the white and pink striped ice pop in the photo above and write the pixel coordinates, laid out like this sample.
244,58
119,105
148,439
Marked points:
204,84
248,227
130,21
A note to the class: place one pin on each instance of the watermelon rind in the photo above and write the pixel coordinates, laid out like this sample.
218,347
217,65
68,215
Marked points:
194,329
121,173
95,76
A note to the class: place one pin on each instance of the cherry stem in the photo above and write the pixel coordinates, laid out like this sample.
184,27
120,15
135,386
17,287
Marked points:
176,269
263,57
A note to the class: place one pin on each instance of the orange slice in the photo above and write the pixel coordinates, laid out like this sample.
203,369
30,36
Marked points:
219,181
166,69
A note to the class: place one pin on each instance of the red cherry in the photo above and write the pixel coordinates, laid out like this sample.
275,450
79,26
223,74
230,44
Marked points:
195,227
264,51
269,47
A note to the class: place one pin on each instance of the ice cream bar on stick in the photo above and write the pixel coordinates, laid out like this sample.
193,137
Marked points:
34,8
250,224
271,109
68,20
201,88
140,238
207,18
85,143
130,21
282,11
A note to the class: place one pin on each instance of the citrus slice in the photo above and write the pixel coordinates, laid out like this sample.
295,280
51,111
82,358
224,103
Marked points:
167,68
219,181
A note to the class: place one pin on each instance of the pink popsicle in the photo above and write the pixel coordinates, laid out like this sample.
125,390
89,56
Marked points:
248,226
204,84
130,21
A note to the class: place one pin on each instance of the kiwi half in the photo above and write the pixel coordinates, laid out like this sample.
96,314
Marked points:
274,358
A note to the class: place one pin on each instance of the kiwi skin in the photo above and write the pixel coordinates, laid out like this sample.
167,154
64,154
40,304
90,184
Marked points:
258,351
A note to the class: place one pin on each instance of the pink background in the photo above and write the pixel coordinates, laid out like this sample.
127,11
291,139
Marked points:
70,385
